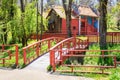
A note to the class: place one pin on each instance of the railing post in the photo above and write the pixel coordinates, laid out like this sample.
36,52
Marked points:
3,47
49,44
54,67
61,54
115,63
24,56
17,54
3,62
102,53
52,59
112,38
87,42
37,50
74,42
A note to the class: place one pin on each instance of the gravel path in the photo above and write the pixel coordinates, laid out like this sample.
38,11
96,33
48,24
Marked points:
36,71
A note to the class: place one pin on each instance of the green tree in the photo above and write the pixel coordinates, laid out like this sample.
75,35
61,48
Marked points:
113,17
103,32
28,21
7,14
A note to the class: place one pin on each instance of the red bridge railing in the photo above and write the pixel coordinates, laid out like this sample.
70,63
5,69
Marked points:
67,44
10,54
37,49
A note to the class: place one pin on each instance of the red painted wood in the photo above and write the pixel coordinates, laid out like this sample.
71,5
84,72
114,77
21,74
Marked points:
64,28
17,54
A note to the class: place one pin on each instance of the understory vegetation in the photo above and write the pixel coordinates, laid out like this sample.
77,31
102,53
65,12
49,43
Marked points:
110,73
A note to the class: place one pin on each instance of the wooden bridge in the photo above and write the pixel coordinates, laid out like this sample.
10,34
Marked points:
61,49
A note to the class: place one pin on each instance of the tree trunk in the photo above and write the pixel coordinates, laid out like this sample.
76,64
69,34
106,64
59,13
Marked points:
68,24
41,26
67,9
22,23
103,32
103,24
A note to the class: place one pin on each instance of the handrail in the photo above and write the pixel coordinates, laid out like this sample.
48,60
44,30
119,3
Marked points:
10,54
69,44
37,48
62,55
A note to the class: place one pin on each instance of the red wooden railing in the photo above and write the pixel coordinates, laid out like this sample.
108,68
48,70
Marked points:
11,54
67,44
65,54
37,49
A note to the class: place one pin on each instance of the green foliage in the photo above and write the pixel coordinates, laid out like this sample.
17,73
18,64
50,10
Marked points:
113,17
115,47
10,20
90,60
49,68
115,75
67,61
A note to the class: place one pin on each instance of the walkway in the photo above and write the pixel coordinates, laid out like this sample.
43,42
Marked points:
40,64
36,71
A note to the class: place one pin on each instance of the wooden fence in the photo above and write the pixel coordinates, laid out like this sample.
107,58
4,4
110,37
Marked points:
66,54
7,54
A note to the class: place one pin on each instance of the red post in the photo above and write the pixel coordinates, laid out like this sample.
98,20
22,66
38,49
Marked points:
3,62
102,53
61,54
74,42
51,57
24,56
53,61
37,50
49,44
17,54
3,47
115,63
112,38
87,42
